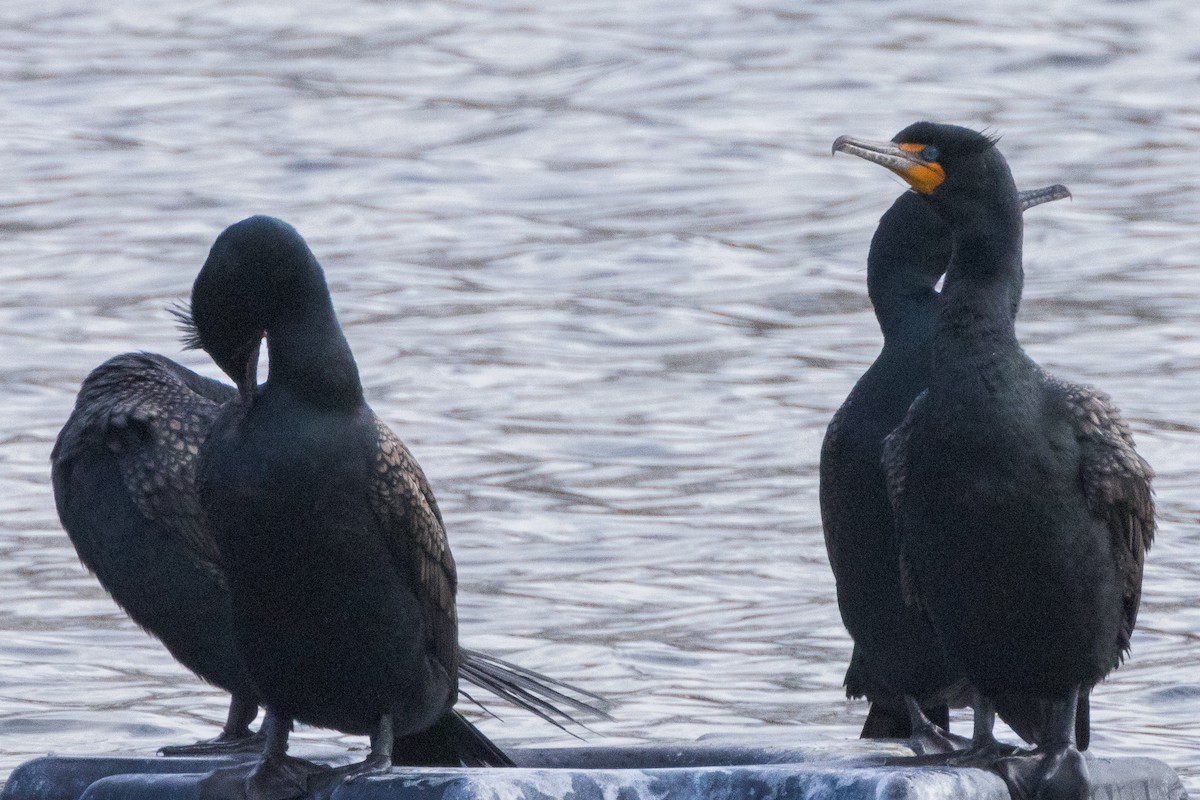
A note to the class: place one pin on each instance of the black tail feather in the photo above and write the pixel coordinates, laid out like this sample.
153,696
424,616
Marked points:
1029,716
886,720
1083,719
552,700
451,742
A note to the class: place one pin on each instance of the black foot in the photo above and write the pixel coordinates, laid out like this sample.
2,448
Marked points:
274,778
1055,774
223,745
928,739
979,756
982,754
321,786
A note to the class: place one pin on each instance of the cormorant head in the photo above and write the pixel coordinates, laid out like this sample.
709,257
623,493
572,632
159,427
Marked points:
256,271
944,163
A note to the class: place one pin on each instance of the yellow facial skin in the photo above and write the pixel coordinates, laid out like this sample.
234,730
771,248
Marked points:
903,159
924,176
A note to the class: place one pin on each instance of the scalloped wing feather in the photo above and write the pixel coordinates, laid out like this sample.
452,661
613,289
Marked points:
1117,484
155,416
407,512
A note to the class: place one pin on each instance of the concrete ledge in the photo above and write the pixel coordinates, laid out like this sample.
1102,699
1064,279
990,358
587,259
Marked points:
842,771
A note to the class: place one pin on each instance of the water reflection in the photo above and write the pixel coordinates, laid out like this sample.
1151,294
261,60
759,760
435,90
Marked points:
601,274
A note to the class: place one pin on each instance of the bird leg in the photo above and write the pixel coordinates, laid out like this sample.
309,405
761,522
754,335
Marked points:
1055,770
235,737
984,748
378,762
275,776
982,752
380,759
926,737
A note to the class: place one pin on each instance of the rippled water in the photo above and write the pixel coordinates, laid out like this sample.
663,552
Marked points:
603,276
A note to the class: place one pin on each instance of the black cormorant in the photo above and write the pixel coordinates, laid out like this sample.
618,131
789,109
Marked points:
333,546
124,473
1023,511
125,479
896,653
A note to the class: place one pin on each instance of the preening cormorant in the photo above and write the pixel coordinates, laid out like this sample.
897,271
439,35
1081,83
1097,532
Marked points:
896,653
1023,511
125,477
340,573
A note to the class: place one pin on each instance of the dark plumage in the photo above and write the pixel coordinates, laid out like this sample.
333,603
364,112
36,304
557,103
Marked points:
896,652
125,475
1024,513
342,581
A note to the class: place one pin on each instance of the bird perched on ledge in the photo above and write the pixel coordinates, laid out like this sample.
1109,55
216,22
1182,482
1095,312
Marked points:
1023,511
896,653
131,470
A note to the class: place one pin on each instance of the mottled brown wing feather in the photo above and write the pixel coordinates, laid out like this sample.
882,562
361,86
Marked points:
408,514
1116,482
152,416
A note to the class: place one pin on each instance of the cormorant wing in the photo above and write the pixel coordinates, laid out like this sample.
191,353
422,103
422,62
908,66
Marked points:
1116,483
408,515
895,464
829,485
154,416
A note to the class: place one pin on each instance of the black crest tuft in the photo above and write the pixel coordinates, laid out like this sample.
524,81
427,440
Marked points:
182,312
948,138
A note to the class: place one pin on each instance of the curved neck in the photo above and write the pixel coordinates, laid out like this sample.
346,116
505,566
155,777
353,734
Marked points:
906,306
309,355
983,287
909,252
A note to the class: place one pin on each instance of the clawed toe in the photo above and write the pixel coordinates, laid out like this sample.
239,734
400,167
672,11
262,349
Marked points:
932,740
372,766
976,756
983,756
322,786
276,778
220,746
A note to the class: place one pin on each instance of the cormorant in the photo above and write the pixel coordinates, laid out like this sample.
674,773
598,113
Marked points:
125,479
896,654
341,577
124,473
1023,511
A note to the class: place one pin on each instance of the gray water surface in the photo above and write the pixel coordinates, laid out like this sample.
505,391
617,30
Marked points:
603,276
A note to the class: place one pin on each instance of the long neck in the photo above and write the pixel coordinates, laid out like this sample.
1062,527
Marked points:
906,308
309,355
909,252
982,289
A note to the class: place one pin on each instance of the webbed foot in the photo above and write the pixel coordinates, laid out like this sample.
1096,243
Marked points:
279,777
929,741
1060,773
927,737
225,744
322,786
981,754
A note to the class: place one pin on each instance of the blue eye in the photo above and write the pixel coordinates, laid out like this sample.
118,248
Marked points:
929,153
